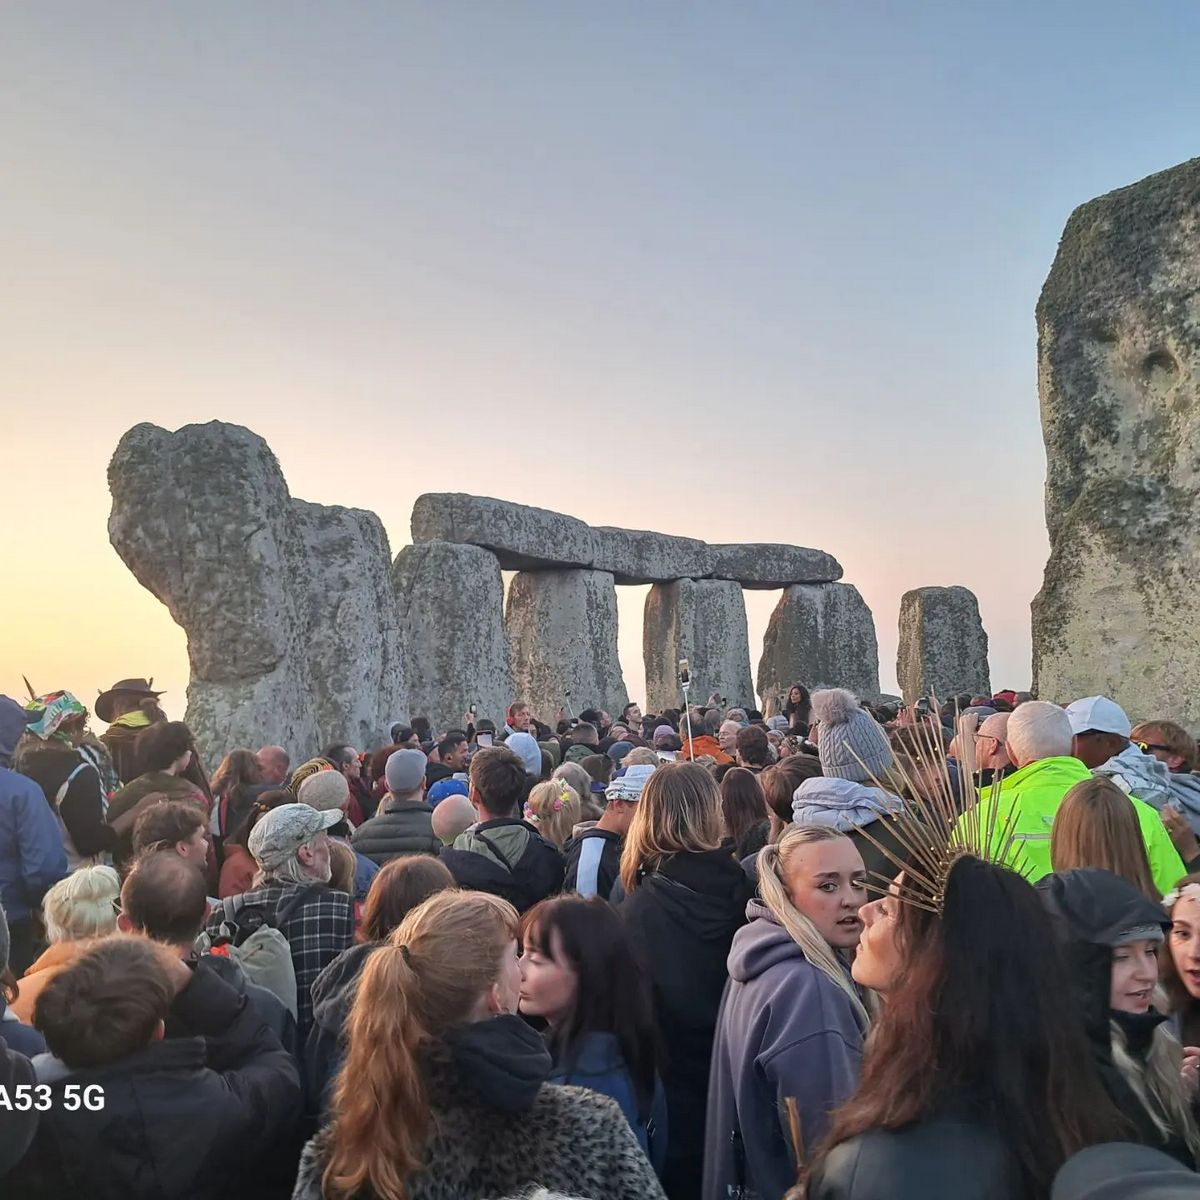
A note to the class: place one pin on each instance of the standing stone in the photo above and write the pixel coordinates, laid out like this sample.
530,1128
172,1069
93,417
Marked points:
451,607
704,621
1119,381
562,637
820,635
292,633
943,647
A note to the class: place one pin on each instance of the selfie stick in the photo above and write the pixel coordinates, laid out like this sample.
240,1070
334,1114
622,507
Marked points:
685,680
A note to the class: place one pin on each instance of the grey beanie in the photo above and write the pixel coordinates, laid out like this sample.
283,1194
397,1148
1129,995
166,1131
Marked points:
850,742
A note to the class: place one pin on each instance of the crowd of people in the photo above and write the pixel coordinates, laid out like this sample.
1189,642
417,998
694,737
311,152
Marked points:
850,951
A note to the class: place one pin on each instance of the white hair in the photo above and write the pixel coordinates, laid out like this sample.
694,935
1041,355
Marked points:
83,905
292,870
1037,730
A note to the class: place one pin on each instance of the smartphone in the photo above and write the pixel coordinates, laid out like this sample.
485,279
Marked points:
685,672
483,739
472,710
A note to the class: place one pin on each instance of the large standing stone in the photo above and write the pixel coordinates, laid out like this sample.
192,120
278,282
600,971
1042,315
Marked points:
562,636
292,634
704,621
451,606
943,647
1119,380
821,636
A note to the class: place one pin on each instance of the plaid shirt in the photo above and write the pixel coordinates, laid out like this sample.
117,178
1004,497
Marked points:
317,932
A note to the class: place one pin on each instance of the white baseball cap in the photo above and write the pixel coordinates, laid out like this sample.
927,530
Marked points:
1098,714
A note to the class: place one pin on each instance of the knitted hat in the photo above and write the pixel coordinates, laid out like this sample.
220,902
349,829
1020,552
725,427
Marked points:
404,771
324,791
629,786
661,732
304,770
618,750
528,751
851,743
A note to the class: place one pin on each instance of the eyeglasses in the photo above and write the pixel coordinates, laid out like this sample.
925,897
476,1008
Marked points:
1147,747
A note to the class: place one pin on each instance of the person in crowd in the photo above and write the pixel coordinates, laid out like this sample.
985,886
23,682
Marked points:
424,731
443,1092
703,744
165,751
1181,963
377,773
727,738
631,717
744,811
273,764
1095,826
19,1036
683,895
290,844
178,826
553,810
450,758
1124,1172
346,759
49,753
854,756
503,854
131,706
752,748
525,747
792,1022
618,750
579,779
239,868
516,720
990,760
593,856
164,899
401,886
798,710
236,784
1102,743
328,791
404,822
579,975
1112,934
404,736
976,1081
32,858
75,911
312,766
451,818
342,864
779,784
1019,813
1173,746
181,1117
17,1126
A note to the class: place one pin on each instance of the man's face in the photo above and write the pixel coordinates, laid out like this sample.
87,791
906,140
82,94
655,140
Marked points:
271,766
520,719
634,716
457,760
316,860
350,765
1093,748
605,720
727,736
195,849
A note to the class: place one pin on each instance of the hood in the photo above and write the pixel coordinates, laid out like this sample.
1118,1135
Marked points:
502,1059
507,833
333,990
12,726
1140,775
1185,795
704,892
841,804
760,945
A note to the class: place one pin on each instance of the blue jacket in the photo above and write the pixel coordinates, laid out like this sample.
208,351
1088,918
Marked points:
32,858
785,1030
596,1062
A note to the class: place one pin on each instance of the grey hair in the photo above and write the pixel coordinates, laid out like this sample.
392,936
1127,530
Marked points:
1037,730
293,870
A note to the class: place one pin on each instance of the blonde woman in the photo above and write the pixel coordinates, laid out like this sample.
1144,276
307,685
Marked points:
792,1022
552,809
76,910
683,896
443,1095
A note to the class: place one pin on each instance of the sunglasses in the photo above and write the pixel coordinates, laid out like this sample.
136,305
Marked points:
1147,747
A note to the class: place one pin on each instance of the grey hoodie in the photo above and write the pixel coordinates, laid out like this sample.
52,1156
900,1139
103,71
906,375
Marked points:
785,1029
1139,774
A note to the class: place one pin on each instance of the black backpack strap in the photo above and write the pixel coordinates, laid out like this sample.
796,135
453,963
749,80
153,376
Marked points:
487,841
284,912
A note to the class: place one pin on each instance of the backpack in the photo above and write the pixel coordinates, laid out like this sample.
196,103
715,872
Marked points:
251,937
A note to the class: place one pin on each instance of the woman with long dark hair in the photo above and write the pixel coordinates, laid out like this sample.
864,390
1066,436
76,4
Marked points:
1181,963
443,1092
798,710
580,975
977,1082
744,811
236,784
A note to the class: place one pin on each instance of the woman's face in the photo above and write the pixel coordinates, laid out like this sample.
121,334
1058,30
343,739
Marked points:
794,695
548,983
826,882
1134,974
1185,942
877,963
505,993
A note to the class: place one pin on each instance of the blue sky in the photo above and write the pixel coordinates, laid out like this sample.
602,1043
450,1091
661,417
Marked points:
740,271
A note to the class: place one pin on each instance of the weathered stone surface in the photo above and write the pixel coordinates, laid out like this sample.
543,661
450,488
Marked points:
943,647
1119,381
765,566
704,621
821,636
562,637
451,608
525,538
290,639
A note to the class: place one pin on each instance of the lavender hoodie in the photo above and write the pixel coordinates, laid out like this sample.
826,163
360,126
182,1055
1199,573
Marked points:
785,1029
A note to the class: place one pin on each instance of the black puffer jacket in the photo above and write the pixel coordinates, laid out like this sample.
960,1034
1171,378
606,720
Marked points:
403,827
682,918
332,996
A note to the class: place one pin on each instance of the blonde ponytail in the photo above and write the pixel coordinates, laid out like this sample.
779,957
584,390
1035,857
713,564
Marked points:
427,978
772,861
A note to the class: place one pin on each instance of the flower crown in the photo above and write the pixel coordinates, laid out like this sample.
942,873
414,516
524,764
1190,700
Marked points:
561,799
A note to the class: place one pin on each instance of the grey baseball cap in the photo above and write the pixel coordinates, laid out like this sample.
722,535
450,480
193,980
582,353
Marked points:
283,830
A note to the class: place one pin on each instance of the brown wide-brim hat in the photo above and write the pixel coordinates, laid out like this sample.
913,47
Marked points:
123,687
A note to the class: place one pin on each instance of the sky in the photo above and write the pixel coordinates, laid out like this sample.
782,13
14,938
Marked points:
745,272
